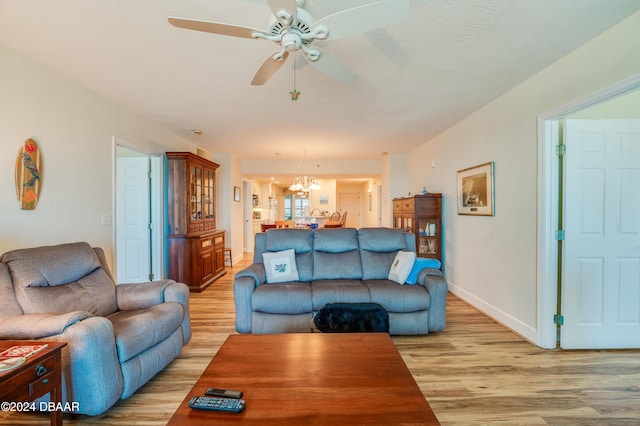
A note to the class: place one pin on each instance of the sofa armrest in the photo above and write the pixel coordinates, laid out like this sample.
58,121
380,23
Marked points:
91,370
145,295
244,283
39,326
141,295
179,293
255,271
91,374
436,285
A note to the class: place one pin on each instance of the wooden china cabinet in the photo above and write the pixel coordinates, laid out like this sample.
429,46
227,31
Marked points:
422,216
196,247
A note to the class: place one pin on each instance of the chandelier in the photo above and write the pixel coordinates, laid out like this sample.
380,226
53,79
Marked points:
305,184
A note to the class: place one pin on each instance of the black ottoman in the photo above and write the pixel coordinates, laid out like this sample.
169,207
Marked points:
352,318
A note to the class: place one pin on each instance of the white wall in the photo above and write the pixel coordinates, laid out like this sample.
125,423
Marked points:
369,211
395,178
491,261
623,107
229,214
74,128
318,168
328,188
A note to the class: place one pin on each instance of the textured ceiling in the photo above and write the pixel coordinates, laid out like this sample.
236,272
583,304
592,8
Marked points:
416,77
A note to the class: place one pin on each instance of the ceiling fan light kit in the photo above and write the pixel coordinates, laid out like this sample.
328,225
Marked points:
294,30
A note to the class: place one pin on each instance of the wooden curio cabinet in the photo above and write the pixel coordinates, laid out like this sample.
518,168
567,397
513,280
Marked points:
196,247
422,216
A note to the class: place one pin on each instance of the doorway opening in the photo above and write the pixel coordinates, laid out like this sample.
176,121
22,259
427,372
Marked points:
550,186
138,214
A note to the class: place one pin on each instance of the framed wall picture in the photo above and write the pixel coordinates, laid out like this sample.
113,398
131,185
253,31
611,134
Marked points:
236,193
475,190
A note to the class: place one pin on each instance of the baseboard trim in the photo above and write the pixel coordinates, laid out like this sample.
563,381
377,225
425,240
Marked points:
514,324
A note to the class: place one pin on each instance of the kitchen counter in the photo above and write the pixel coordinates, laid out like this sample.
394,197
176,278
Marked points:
306,220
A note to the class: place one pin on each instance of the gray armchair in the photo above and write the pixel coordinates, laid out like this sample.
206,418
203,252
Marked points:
118,336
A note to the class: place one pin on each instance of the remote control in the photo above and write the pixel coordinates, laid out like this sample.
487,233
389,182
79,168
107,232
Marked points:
218,404
224,393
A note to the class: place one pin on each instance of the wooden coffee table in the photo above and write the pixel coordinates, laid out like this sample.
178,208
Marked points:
313,378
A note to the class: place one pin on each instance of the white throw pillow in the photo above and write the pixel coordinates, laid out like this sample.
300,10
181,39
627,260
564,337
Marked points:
280,266
401,266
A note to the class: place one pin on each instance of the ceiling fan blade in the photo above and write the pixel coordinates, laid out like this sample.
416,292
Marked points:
268,68
332,66
214,27
288,5
364,18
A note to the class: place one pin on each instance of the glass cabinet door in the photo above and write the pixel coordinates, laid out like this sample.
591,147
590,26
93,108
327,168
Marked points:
397,222
208,195
403,222
195,176
428,235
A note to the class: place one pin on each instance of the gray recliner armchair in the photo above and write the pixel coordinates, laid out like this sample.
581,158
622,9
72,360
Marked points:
118,336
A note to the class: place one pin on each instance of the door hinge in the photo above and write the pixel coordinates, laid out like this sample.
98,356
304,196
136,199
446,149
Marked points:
151,277
151,227
150,175
561,149
558,319
560,235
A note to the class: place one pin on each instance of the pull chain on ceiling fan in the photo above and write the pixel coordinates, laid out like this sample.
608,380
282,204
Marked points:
294,30
294,93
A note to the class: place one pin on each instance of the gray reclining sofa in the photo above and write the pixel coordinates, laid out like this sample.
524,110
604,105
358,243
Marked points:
342,265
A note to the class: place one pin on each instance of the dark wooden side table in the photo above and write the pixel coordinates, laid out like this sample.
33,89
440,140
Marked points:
39,375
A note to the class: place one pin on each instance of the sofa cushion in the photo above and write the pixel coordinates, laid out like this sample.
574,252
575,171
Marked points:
94,293
280,266
301,240
60,279
305,266
376,266
9,306
382,240
52,265
378,248
138,330
335,240
338,290
398,298
336,255
282,298
401,266
332,266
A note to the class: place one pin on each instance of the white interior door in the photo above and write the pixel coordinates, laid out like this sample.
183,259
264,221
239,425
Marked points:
247,216
601,268
133,219
350,202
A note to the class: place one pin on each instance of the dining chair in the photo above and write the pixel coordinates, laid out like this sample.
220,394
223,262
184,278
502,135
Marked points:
285,224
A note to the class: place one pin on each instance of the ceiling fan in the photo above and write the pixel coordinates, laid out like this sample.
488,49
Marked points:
294,30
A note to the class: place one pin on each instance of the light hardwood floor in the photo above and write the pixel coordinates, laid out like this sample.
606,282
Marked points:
476,372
